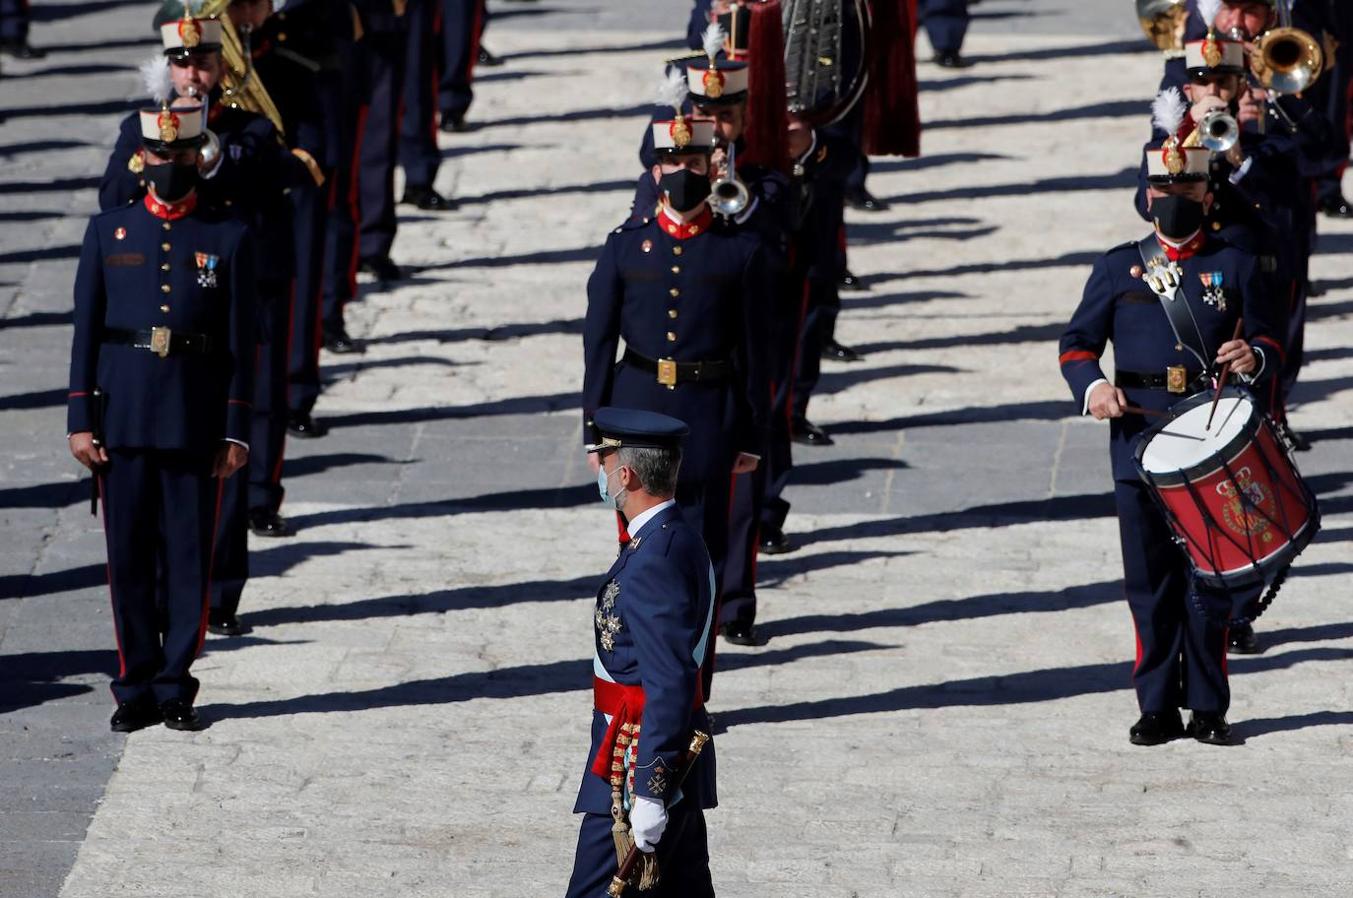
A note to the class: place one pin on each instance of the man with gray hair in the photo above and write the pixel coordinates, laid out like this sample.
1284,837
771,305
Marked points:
646,785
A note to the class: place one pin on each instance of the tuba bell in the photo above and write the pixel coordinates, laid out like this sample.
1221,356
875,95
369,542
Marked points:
241,86
826,57
1287,60
1163,23
729,196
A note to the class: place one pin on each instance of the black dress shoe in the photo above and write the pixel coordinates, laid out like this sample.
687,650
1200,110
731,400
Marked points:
839,352
383,267
739,633
849,281
179,715
862,200
809,434
1299,442
774,542
306,427
219,624
488,59
21,50
1336,207
1209,727
135,715
454,124
427,199
951,59
266,522
1156,728
1242,641
339,343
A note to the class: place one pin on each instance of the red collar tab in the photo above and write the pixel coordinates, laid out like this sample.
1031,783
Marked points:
170,211
682,230
1187,251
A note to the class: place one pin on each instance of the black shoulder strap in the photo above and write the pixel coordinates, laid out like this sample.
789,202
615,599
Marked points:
1165,279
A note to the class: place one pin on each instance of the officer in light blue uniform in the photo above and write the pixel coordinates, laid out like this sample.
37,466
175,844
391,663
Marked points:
1181,652
159,407
652,629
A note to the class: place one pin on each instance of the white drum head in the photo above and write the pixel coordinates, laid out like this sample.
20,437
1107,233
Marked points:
1186,441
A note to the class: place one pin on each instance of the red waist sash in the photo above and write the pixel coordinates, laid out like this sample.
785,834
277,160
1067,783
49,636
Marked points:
625,706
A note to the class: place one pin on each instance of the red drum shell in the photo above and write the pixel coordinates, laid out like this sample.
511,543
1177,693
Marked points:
1243,514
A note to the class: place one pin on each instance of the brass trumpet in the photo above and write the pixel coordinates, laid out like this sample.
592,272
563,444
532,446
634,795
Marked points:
1219,131
1163,23
1287,60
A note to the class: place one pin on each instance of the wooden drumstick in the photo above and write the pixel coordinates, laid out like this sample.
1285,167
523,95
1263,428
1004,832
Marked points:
1144,412
1225,375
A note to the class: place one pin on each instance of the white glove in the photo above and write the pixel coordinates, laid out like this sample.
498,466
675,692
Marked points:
648,818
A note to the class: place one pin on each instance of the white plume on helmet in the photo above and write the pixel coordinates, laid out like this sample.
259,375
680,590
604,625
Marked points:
1167,111
672,90
713,40
155,78
1208,10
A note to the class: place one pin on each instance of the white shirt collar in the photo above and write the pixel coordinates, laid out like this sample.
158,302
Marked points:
638,523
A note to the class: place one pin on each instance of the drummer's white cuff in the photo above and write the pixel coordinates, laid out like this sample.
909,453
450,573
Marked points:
1085,405
1257,372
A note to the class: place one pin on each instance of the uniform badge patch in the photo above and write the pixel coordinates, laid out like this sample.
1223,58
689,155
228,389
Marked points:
206,269
137,163
606,620
120,234
1212,292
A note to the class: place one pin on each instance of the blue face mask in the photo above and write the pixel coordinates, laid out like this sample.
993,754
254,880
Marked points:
611,502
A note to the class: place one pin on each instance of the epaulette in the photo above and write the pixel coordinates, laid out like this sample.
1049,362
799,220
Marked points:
633,224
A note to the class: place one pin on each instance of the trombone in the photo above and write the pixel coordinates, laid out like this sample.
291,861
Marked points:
1287,60
729,195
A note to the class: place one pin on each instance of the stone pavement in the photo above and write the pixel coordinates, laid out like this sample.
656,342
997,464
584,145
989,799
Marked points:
942,707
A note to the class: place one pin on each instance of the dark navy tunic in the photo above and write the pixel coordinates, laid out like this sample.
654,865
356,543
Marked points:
1119,307
193,275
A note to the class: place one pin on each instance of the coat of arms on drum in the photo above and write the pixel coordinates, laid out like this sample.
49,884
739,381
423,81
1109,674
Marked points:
1248,511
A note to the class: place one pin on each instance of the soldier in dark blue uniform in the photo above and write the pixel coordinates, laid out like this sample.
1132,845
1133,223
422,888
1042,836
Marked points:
652,626
462,26
1181,651
385,28
14,31
946,24
159,408
690,296
419,155
295,58
250,181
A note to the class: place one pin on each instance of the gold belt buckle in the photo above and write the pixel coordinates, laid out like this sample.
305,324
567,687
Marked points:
667,373
1176,378
160,340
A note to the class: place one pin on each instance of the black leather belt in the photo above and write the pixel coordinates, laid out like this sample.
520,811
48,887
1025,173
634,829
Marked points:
671,372
160,340
1138,380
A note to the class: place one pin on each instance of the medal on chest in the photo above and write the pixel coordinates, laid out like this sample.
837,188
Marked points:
1212,289
606,620
206,269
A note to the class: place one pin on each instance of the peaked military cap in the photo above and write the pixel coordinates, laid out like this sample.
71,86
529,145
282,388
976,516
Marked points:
628,428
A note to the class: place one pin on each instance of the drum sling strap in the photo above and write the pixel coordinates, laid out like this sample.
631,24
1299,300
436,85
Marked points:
1165,279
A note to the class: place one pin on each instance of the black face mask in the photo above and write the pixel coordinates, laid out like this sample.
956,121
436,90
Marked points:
1177,217
685,189
172,182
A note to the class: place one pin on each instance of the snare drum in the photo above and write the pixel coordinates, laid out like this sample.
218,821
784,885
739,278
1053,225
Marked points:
1232,496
